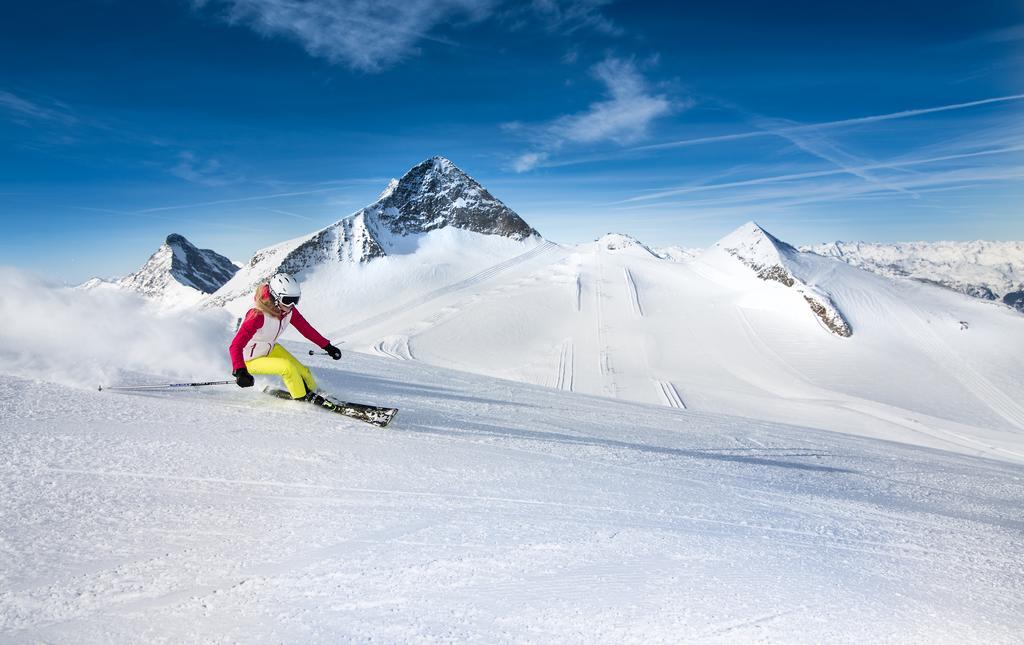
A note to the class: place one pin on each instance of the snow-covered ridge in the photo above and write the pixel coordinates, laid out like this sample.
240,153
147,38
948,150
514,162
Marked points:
774,260
677,253
988,270
621,242
433,195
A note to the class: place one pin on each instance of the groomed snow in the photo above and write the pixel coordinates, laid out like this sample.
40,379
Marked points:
710,336
491,511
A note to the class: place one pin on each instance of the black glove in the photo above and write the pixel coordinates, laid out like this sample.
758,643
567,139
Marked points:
243,377
333,351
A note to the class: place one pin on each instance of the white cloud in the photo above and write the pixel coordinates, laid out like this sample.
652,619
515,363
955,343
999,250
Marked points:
366,35
371,35
528,161
624,117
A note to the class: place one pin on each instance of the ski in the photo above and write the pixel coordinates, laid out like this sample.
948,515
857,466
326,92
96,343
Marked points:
372,414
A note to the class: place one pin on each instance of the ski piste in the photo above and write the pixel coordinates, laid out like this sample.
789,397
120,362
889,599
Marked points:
372,414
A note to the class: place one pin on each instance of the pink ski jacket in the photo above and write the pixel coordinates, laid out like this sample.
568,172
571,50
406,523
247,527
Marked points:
260,330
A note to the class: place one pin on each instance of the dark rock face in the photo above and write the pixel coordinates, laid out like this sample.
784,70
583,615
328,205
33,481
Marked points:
436,193
1015,299
202,269
776,273
833,321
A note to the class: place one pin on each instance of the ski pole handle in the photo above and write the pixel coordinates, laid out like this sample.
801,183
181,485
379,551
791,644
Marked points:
164,386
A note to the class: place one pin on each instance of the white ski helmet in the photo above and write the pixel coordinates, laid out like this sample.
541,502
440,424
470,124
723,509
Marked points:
284,289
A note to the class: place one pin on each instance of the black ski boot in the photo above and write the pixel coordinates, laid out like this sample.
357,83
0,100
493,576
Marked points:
313,398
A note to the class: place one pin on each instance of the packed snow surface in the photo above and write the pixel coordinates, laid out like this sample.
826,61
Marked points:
924,365
490,511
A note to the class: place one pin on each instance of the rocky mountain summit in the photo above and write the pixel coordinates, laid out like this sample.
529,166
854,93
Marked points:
432,195
177,274
179,262
436,193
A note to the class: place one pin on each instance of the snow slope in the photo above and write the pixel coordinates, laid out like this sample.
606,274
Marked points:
491,511
710,335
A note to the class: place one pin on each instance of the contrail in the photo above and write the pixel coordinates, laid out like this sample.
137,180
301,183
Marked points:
819,173
830,124
239,199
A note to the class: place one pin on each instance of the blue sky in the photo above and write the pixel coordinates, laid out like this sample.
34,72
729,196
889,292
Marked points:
241,123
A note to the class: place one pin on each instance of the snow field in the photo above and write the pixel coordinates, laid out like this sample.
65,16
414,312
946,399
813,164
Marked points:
491,511
728,342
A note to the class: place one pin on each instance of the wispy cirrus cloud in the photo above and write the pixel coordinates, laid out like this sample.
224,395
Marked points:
623,117
207,172
570,16
372,35
25,111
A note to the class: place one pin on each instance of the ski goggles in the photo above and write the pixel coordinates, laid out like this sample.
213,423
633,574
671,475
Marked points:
288,301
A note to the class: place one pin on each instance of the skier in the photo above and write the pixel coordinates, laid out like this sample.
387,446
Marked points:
254,349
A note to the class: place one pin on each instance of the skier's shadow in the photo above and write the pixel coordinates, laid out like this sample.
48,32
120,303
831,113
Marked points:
473,427
356,387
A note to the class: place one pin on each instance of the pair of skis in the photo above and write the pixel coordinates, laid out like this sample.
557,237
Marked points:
372,414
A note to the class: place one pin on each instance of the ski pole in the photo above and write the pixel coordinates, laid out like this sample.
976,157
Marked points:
163,386
313,352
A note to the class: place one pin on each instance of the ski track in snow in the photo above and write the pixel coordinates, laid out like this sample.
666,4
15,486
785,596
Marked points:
670,394
396,347
490,511
566,366
604,354
634,296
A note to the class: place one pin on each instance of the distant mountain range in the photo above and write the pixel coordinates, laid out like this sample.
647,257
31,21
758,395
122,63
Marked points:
987,270
436,195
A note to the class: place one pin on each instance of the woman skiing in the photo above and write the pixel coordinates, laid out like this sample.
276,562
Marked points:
255,350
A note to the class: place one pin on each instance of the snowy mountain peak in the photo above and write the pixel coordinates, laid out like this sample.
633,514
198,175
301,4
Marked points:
620,241
177,265
432,196
753,244
390,188
771,259
436,193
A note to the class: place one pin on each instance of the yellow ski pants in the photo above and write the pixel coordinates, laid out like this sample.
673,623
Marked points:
297,377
